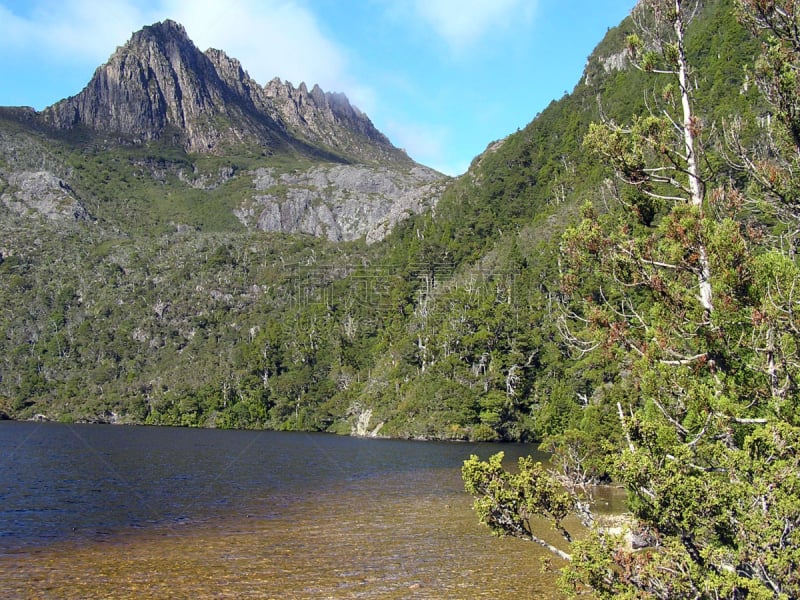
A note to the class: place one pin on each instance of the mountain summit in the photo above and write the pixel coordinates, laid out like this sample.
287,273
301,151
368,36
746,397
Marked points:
160,84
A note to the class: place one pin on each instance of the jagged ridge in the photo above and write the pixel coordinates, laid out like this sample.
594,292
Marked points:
160,83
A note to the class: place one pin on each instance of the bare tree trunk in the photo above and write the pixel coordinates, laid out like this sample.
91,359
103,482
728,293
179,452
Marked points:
689,140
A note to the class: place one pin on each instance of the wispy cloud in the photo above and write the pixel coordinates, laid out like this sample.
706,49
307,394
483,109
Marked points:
462,23
270,37
425,143
68,31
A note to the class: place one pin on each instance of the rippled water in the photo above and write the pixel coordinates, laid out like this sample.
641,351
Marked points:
108,511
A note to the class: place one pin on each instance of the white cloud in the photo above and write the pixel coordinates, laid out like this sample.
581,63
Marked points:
271,38
462,23
427,144
69,31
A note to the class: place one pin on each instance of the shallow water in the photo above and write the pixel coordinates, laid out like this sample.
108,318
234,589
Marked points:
124,512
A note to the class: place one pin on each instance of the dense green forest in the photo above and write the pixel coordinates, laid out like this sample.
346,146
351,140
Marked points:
164,310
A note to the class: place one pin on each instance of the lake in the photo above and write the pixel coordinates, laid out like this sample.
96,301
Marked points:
94,511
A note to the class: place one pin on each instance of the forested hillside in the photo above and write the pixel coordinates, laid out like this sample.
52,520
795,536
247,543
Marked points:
450,327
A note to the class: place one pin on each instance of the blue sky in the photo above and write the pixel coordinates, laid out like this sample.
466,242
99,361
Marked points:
441,78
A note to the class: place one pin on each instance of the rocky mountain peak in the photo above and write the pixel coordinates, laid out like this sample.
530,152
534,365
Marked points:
159,82
165,30
159,79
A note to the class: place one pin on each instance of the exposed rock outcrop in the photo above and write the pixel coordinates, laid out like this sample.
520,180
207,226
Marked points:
341,202
32,180
160,84
43,193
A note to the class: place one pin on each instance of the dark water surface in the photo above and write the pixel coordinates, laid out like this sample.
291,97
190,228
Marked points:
90,511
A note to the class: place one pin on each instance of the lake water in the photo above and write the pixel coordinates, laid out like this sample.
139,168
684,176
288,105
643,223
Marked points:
91,511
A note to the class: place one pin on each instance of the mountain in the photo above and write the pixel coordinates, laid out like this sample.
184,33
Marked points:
193,120
160,83
144,281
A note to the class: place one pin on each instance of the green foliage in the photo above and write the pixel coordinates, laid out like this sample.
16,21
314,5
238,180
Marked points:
509,502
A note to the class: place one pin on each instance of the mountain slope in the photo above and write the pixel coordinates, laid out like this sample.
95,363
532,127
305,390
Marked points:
443,329
489,333
467,342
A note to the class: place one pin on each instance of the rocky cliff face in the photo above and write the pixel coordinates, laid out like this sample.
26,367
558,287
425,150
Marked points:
342,202
330,119
160,83
159,79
